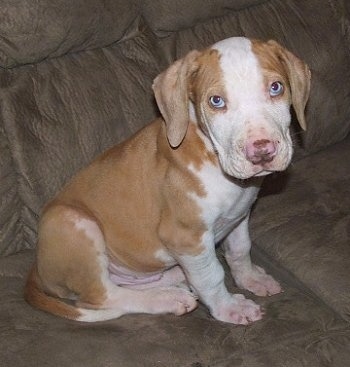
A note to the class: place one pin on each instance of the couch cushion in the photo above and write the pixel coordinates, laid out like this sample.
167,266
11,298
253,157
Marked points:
11,230
165,16
296,331
62,112
34,30
305,224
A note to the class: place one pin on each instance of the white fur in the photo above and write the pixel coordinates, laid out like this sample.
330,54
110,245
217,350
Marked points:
165,257
94,234
227,200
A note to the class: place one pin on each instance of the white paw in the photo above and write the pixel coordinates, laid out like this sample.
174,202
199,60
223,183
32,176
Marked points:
258,282
172,300
238,310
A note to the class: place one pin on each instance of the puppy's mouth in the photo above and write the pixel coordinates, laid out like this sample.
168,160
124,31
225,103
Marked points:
264,158
243,169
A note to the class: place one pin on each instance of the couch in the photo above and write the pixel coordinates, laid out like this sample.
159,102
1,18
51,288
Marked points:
75,79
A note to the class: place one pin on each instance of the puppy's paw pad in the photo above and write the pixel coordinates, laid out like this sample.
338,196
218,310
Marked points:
258,282
174,300
239,310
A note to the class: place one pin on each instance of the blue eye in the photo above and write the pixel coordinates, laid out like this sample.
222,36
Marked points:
276,89
217,102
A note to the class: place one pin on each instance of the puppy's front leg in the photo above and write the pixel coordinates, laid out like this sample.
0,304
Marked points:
206,275
247,275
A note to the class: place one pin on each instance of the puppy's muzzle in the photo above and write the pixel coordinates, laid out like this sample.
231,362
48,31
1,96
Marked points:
260,151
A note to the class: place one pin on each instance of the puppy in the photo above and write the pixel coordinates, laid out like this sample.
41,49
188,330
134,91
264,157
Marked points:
135,231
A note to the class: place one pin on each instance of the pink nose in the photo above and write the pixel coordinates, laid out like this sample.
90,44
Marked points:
260,151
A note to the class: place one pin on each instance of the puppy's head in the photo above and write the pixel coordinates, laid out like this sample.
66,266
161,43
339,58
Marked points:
239,92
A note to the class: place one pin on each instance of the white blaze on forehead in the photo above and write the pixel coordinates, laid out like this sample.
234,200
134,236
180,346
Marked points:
241,71
245,101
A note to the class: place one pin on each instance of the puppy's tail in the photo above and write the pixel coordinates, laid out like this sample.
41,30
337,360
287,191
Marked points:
35,296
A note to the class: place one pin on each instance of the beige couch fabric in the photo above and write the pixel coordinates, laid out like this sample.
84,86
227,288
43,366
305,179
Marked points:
75,78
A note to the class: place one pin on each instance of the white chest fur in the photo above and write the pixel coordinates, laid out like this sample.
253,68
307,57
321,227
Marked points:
227,200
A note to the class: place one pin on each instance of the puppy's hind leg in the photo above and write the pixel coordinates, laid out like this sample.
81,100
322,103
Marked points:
121,301
72,263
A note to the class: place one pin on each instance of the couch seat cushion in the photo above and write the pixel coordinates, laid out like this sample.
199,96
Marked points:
302,221
297,330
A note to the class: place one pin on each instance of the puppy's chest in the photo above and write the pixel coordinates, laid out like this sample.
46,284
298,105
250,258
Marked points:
226,201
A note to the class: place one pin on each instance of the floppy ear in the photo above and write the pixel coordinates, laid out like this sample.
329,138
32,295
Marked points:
299,76
171,90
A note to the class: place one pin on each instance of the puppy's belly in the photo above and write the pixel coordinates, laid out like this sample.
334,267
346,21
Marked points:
169,277
123,276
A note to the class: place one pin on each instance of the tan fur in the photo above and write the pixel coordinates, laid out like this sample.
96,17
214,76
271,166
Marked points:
171,90
207,80
116,199
61,248
34,295
112,191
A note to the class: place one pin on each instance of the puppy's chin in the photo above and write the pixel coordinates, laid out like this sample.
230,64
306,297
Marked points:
243,171
262,173
247,176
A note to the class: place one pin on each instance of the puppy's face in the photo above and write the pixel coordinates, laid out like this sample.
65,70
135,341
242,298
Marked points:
239,92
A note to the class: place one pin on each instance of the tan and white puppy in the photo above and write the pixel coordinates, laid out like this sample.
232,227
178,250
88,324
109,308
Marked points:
135,231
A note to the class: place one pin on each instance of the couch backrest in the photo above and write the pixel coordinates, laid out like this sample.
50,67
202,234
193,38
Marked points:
76,78
35,30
